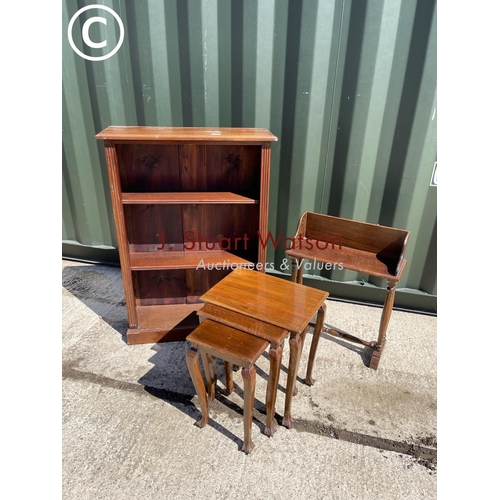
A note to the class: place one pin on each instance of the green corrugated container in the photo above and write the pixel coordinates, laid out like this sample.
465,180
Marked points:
349,87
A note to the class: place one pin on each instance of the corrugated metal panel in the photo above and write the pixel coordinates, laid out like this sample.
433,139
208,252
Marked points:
349,87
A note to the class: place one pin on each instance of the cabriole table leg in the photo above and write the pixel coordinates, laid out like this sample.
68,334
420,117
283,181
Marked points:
295,344
199,385
318,328
248,375
210,374
228,368
275,354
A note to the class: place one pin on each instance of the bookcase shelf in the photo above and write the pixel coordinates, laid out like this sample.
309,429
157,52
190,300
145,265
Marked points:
186,198
188,259
189,204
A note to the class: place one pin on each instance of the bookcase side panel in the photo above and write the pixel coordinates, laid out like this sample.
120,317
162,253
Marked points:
264,198
121,230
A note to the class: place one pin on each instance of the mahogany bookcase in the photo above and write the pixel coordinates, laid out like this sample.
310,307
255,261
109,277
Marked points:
189,204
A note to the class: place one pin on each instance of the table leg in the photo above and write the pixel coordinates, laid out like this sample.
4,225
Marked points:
384,322
210,374
318,328
297,271
199,385
301,272
295,349
272,388
299,356
294,270
248,375
228,368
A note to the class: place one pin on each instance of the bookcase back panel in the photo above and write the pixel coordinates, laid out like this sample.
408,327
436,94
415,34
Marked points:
149,168
166,228
151,227
200,281
225,227
159,287
234,168
190,167
174,286
193,167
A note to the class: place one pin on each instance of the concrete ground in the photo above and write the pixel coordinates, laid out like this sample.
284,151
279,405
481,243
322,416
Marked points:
129,412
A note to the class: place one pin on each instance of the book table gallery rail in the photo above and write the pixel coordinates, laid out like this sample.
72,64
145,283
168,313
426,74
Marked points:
268,308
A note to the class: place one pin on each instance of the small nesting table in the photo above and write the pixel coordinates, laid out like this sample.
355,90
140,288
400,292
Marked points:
270,308
234,347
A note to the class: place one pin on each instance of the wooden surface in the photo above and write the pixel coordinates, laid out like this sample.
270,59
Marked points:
183,198
273,300
266,331
189,259
160,323
177,134
356,260
164,316
228,343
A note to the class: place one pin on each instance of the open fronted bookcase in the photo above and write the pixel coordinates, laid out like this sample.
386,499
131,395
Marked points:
188,204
